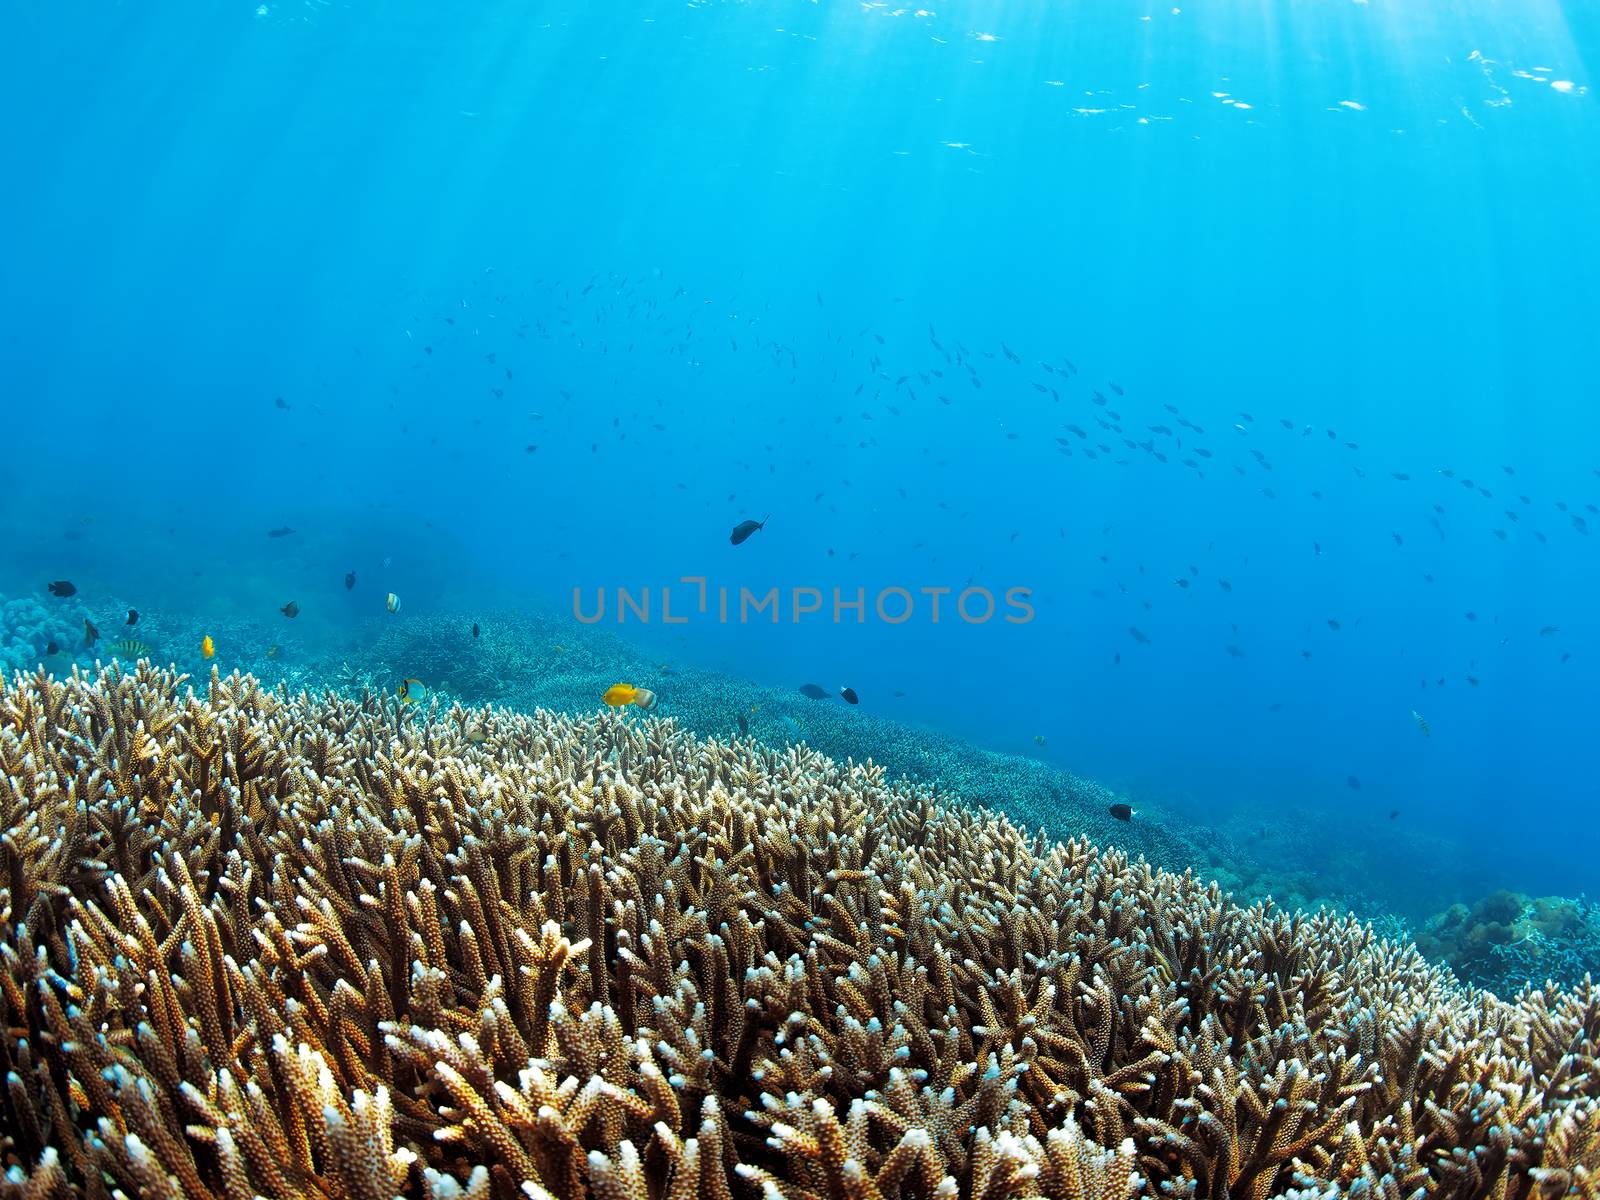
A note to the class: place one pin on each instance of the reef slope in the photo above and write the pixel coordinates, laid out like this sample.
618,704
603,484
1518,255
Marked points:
263,944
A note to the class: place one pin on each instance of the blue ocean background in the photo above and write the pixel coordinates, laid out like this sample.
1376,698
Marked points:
337,267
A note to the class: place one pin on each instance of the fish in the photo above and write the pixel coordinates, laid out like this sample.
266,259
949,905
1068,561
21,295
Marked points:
63,588
849,695
813,691
477,735
349,580
133,617
619,695
91,635
208,648
52,648
744,529
280,402
273,650
1121,812
412,691
1353,783
1039,738
290,610
132,647
392,603
474,629
744,725
282,531
1421,724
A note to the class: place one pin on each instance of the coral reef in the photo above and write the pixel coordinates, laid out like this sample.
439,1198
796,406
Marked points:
530,660
1507,941
28,626
256,943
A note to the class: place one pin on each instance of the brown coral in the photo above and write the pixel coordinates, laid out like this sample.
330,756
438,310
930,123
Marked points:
257,944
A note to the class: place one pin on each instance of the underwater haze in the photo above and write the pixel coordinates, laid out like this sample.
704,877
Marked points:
1249,347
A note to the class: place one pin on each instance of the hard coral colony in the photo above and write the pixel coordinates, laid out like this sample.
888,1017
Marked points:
258,944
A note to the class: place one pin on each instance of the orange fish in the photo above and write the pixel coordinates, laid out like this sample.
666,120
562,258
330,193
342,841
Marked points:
207,647
619,694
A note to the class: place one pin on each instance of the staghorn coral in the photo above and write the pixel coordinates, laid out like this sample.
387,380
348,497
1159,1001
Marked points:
256,943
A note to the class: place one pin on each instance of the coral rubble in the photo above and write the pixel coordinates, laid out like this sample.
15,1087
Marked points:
263,944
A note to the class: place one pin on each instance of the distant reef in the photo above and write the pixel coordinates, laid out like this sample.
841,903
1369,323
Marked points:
1507,939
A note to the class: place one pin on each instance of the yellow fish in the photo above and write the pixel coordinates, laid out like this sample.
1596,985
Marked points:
1039,737
619,694
207,647
411,691
477,735
272,652
392,603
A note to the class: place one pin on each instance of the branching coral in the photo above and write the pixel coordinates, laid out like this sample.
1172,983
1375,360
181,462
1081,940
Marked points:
263,944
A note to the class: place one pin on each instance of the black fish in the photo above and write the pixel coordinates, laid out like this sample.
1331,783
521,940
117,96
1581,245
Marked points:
91,635
63,588
280,402
133,616
349,580
1121,812
280,532
812,692
849,695
290,610
744,725
744,529
1355,784
474,629
52,648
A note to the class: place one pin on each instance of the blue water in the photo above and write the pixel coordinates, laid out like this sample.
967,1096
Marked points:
1369,221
